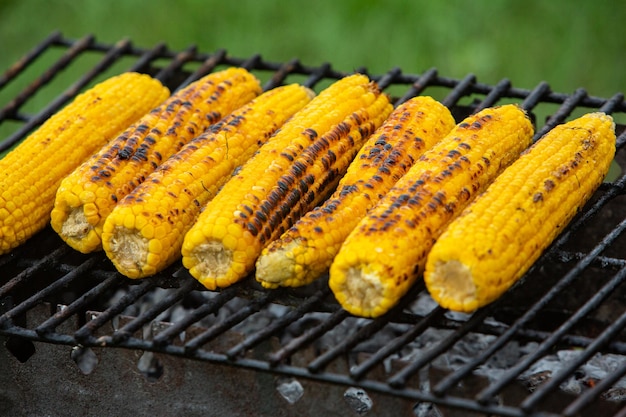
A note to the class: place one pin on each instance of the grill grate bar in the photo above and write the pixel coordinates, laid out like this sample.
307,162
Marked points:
38,297
207,66
308,337
561,114
362,334
400,379
210,307
219,328
86,331
591,394
531,402
418,85
278,77
167,73
293,315
495,94
535,96
28,58
395,345
46,77
68,311
66,96
142,64
459,90
23,276
489,393
147,316
514,371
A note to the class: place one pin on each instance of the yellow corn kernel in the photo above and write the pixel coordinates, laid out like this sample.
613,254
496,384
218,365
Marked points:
498,237
31,173
294,171
305,251
171,197
384,255
117,168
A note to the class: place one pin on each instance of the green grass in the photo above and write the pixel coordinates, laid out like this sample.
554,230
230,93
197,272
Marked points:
568,43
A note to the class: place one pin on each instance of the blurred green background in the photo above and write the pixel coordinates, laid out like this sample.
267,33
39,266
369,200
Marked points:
568,43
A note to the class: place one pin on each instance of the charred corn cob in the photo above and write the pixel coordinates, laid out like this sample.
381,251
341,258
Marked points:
498,237
87,196
305,251
144,232
32,172
386,252
289,175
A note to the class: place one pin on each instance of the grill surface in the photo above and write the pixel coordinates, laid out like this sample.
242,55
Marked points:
571,301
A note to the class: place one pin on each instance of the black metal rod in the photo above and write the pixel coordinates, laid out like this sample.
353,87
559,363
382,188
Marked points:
514,371
236,318
308,337
395,345
387,79
66,96
37,266
39,296
365,332
536,95
207,66
531,402
588,396
279,76
494,95
489,392
28,58
317,75
418,85
459,90
49,74
157,308
132,295
277,325
561,114
147,57
179,60
211,306
400,378
79,304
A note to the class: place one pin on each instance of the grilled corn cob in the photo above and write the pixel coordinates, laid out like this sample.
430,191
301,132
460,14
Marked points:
145,231
386,252
32,172
289,175
305,251
499,236
87,196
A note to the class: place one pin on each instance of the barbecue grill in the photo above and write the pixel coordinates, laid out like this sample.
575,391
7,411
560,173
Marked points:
80,339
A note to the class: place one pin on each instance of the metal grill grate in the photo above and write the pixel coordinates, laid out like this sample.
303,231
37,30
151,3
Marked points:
571,302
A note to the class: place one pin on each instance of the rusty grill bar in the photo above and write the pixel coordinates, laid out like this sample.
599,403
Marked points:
572,300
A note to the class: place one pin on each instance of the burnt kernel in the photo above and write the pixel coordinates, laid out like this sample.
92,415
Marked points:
104,174
252,229
114,198
377,178
158,155
125,153
159,216
318,229
548,185
476,125
465,145
150,140
95,178
537,197
311,133
464,125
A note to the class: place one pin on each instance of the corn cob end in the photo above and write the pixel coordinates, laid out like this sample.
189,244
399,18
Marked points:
279,267
458,290
209,263
128,251
361,291
76,230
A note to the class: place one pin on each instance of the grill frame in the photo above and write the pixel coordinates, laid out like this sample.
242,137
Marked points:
75,281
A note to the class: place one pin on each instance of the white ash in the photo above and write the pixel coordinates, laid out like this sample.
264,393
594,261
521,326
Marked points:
358,400
290,389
